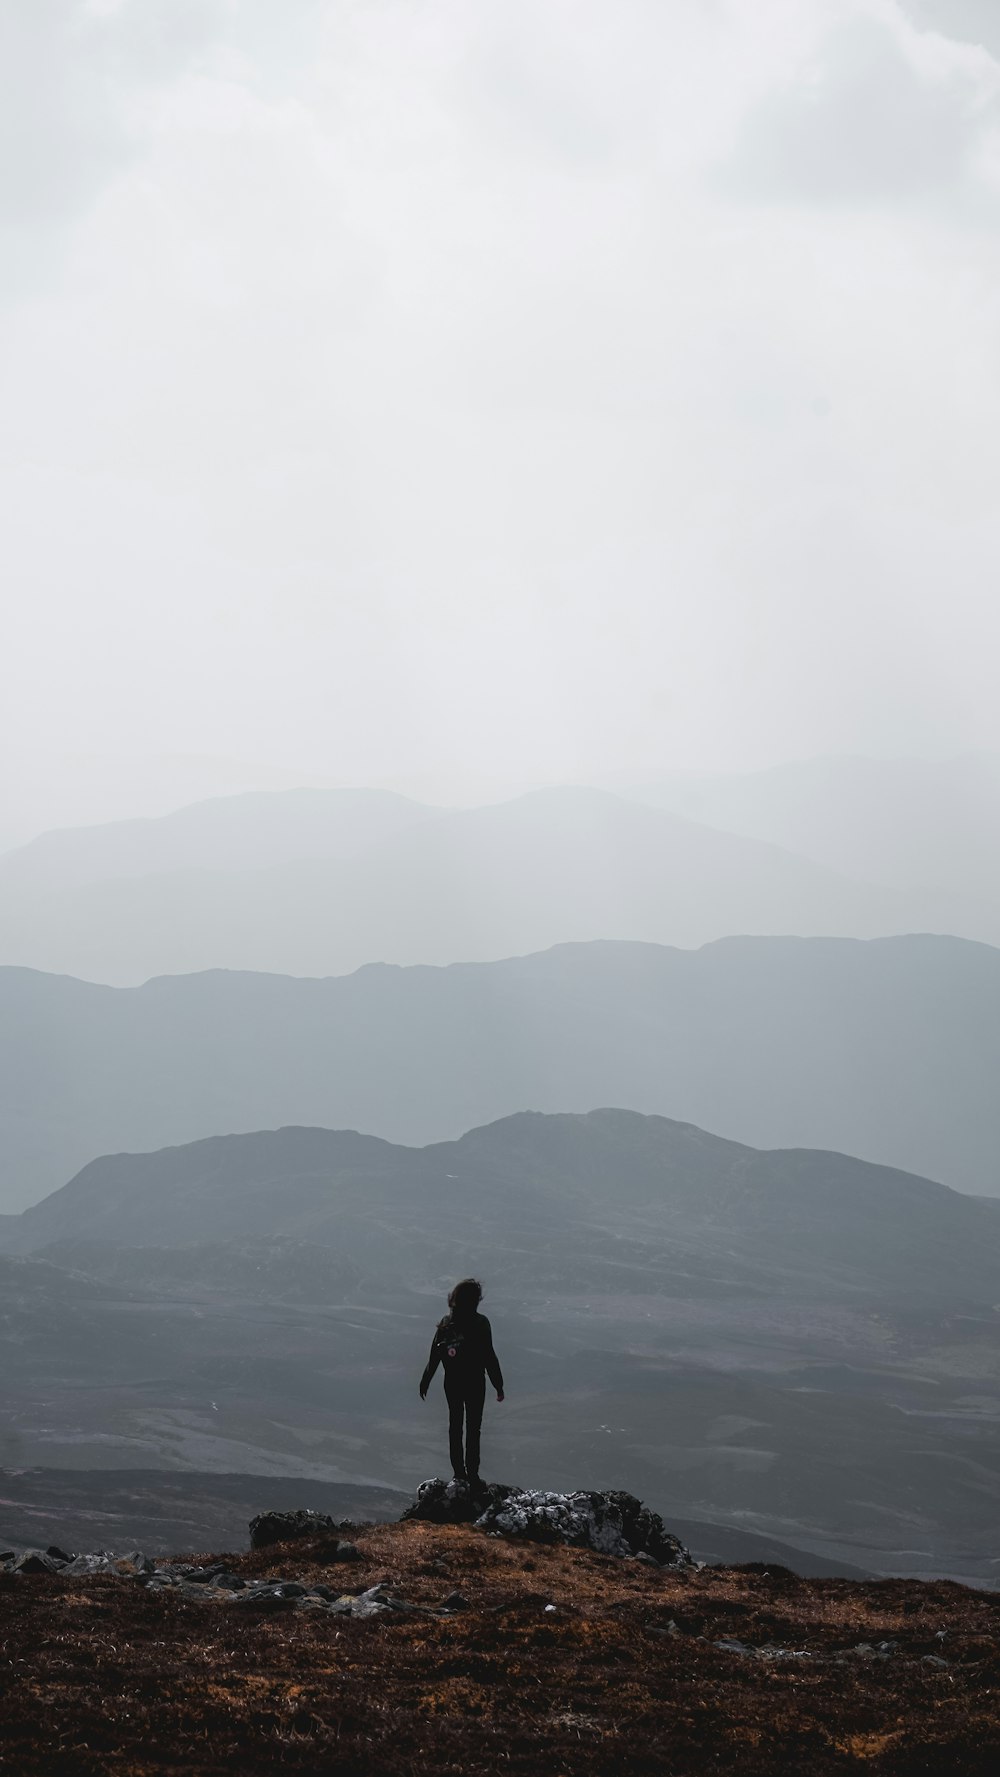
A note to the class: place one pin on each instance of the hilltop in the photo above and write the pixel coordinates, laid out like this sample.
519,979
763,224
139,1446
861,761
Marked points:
548,1660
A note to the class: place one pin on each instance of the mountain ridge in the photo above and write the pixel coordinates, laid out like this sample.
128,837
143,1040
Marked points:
553,866
887,1049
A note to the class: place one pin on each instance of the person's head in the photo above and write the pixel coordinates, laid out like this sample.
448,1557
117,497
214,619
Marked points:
465,1298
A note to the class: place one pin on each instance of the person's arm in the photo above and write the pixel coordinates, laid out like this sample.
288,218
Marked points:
493,1369
429,1368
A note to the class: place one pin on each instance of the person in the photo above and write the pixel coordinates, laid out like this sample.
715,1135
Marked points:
463,1343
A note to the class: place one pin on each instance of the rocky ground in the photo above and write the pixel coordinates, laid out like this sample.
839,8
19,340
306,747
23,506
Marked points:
402,1648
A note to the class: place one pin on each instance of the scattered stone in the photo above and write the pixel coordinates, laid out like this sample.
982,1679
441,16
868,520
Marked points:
934,1660
36,1561
455,1601
266,1601
348,1552
269,1528
202,1576
58,1555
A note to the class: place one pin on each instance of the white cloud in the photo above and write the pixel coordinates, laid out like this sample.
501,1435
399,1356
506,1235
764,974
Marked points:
871,118
407,385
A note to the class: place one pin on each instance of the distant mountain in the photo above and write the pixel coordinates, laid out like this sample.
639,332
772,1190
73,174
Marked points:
888,1049
314,885
794,1344
904,823
794,1220
228,833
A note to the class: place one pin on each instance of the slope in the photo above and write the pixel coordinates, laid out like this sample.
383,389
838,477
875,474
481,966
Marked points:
794,1344
888,1049
551,867
899,822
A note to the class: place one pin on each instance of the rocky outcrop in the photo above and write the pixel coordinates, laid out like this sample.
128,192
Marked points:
612,1523
269,1528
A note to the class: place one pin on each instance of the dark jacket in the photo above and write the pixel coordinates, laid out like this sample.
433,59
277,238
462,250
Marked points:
478,1356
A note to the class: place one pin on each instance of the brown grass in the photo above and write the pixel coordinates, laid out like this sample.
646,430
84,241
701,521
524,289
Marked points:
100,1676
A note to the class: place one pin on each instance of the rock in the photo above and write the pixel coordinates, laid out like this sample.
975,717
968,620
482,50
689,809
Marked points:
36,1561
934,1660
266,1602
613,1523
646,1558
58,1555
293,1589
455,1601
450,1502
348,1552
134,1562
269,1528
373,1603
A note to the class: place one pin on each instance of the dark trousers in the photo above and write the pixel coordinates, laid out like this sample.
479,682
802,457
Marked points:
466,1399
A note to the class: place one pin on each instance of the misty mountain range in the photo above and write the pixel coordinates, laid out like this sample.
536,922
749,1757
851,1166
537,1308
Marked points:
792,1343
322,882
888,1049
932,825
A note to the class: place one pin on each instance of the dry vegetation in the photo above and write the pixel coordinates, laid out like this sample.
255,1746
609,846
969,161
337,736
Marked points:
623,1677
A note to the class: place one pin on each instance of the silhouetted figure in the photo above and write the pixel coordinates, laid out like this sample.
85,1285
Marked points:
463,1343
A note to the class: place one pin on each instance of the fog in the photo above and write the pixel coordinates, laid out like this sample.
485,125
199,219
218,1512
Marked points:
461,399
500,759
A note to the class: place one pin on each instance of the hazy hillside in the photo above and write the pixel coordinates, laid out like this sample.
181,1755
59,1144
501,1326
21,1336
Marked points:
904,823
888,1049
793,1343
794,1219
552,867
228,833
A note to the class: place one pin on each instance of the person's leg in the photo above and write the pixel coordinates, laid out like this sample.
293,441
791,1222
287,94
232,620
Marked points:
456,1412
475,1399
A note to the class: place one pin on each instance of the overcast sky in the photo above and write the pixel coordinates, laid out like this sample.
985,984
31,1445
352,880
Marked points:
412,390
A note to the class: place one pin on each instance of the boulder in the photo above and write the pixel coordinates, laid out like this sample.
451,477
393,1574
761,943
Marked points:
37,1561
612,1523
269,1528
454,1502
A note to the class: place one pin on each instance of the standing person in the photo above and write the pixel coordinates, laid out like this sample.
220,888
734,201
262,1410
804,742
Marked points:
463,1343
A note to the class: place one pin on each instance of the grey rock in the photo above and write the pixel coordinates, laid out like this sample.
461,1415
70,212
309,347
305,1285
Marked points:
934,1660
269,1528
58,1555
613,1523
267,1602
36,1561
455,1601
293,1589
